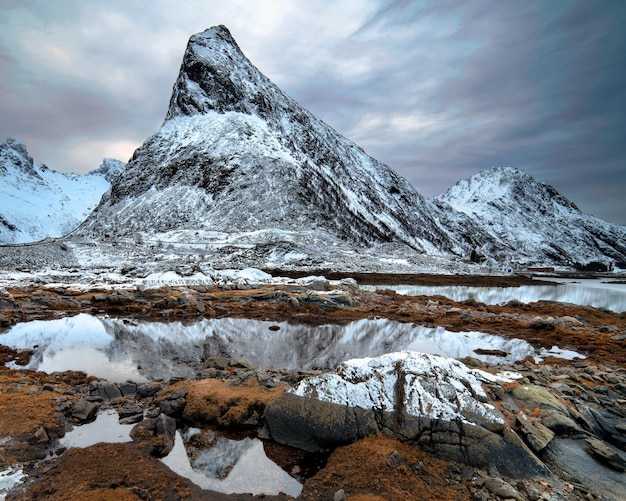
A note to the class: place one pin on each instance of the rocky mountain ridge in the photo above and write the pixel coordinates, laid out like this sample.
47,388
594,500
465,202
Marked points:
535,220
37,202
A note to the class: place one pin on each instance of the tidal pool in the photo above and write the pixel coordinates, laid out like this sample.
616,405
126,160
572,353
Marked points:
120,350
596,293
205,457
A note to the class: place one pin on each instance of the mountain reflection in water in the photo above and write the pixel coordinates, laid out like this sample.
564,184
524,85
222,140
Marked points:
121,350
217,463
584,292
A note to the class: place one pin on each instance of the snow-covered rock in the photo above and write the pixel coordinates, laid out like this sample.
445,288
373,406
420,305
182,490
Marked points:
438,402
37,202
534,221
410,383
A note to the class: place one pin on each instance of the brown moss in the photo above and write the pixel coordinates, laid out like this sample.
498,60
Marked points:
364,471
23,414
215,402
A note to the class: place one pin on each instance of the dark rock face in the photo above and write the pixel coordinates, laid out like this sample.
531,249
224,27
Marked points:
315,425
430,400
156,434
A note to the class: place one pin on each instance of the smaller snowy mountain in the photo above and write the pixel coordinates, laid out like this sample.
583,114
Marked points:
531,218
37,202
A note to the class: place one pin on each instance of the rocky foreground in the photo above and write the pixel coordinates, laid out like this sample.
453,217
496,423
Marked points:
401,426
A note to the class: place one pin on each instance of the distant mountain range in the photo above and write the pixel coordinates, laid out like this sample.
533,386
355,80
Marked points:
237,160
37,202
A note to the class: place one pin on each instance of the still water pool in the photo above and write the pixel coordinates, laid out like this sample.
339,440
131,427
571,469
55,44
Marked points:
596,293
120,350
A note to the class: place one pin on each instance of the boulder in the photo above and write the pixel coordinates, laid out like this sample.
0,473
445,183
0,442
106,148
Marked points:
536,434
85,410
156,434
537,396
607,454
437,402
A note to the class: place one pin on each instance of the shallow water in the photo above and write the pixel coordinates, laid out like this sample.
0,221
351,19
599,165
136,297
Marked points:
121,350
229,466
214,462
106,428
596,293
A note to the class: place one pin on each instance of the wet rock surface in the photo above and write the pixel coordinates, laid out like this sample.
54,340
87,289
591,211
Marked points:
570,416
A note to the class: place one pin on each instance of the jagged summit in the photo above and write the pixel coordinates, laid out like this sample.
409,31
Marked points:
508,184
13,152
214,76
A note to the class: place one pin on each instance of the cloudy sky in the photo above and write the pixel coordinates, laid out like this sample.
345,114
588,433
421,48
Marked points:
438,90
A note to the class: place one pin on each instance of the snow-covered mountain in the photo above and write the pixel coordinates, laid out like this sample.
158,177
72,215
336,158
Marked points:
236,155
238,163
37,202
531,218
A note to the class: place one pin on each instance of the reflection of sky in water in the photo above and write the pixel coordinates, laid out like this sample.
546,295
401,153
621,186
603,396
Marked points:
106,428
229,466
79,343
594,293
122,350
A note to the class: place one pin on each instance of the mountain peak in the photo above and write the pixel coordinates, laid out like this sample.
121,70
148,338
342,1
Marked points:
14,152
214,76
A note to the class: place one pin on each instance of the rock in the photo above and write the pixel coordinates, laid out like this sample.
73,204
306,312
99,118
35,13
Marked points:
395,460
104,389
537,396
535,433
340,495
314,425
561,425
570,320
129,409
174,403
315,283
146,390
434,401
220,363
542,325
294,303
127,389
157,434
349,284
607,454
242,363
41,436
84,410
341,298
502,489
